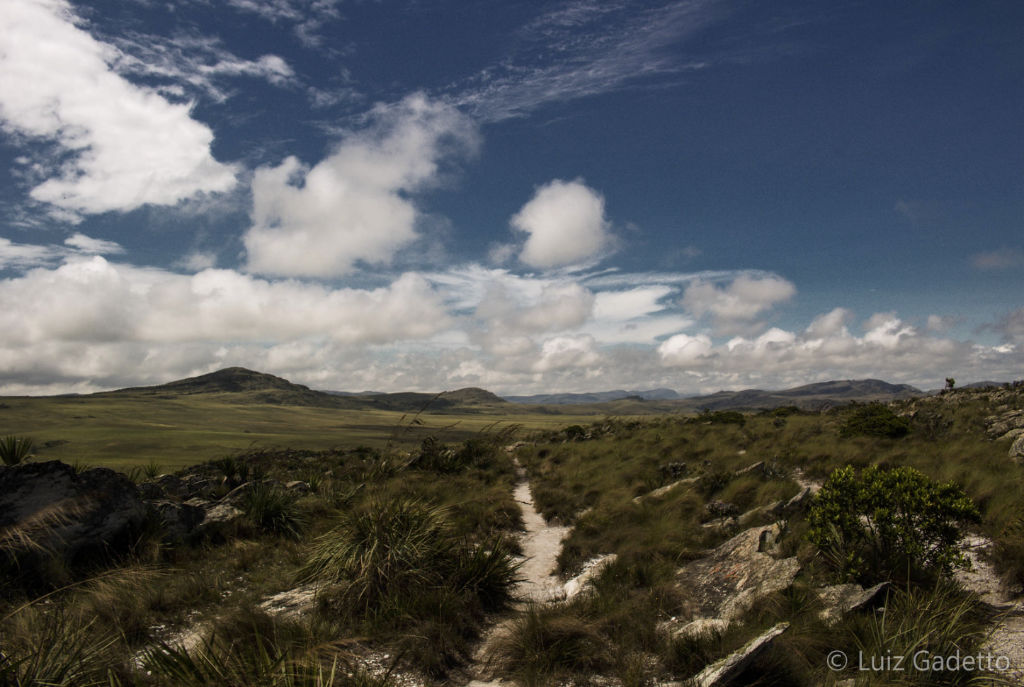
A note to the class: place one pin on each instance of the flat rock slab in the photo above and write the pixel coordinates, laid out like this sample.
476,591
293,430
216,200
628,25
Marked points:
721,672
590,570
733,576
840,599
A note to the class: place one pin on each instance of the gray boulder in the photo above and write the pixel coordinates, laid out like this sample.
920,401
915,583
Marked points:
1017,449
723,671
69,514
733,576
840,599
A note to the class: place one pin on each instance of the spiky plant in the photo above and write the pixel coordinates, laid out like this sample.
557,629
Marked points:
273,510
15,450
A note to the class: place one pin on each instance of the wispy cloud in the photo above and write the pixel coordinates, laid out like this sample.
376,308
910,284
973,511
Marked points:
306,16
193,64
1004,259
584,48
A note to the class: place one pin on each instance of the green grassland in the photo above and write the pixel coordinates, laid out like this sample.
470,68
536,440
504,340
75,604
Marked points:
447,514
174,431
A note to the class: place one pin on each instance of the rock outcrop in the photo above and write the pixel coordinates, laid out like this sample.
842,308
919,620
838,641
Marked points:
724,671
733,576
74,515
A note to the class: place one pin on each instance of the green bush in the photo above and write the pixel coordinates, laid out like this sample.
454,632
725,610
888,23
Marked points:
886,524
875,420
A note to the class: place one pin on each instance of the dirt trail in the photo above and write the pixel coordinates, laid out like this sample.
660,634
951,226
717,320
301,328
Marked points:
541,545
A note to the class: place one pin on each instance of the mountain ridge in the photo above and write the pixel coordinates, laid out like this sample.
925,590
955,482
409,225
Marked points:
248,386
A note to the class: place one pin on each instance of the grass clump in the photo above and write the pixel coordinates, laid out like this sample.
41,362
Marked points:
546,643
15,450
400,570
272,510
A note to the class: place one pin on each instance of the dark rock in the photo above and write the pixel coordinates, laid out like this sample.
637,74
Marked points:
673,471
179,520
73,515
721,509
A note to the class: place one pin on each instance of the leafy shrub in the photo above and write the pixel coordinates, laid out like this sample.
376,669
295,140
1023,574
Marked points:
15,450
887,523
875,420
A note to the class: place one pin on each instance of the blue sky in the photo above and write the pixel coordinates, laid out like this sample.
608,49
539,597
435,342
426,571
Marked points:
524,196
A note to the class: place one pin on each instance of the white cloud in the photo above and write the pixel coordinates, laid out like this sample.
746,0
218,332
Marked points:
736,306
559,306
353,206
683,349
23,255
197,62
567,351
197,261
593,48
128,147
566,225
92,300
86,244
307,16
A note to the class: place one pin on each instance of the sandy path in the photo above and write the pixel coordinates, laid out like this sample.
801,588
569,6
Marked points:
541,544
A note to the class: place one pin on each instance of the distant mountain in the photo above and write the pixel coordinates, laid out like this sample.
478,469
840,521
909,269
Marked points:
228,380
247,386
809,396
596,397
239,385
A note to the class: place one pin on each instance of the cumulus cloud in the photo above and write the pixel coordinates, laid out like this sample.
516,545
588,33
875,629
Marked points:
736,306
566,225
683,349
353,206
93,300
128,147
567,351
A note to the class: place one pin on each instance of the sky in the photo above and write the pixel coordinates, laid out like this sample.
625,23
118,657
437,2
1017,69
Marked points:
524,196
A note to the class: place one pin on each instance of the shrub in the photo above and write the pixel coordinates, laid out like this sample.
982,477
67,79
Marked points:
875,420
722,417
887,523
15,450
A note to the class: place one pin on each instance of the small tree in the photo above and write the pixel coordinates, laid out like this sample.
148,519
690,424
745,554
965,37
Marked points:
887,524
950,383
